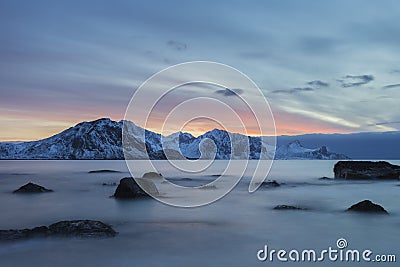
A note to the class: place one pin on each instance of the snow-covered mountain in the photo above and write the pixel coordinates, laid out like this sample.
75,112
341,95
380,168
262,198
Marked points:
294,150
102,139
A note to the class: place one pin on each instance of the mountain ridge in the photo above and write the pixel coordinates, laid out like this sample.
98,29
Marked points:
103,139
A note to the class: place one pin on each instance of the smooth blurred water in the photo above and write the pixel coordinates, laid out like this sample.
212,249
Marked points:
228,232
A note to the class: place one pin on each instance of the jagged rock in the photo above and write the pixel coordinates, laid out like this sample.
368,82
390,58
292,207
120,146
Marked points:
152,175
288,207
365,170
32,188
368,207
76,228
129,188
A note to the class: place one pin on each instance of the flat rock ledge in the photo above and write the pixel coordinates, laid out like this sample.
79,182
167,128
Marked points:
32,188
288,207
366,170
75,228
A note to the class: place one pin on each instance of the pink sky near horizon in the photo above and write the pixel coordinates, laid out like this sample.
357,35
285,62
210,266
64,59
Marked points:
27,128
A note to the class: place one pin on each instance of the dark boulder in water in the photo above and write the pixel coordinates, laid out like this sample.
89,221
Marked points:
32,188
152,175
81,228
288,207
75,228
368,207
129,188
270,183
366,170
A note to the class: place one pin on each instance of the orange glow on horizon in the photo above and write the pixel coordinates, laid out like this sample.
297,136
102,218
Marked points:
21,128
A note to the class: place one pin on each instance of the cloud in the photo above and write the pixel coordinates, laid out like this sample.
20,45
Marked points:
355,80
384,123
390,86
293,90
229,92
177,45
318,84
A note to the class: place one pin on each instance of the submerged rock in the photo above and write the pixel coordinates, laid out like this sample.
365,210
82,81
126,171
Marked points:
368,207
75,228
152,175
32,188
103,171
109,184
82,228
129,188
325,178
270,183
366,170
288,207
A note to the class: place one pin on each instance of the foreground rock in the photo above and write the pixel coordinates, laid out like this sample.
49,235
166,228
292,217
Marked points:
32,188
365,170
129,188
152,175
288,207
76,228
368,207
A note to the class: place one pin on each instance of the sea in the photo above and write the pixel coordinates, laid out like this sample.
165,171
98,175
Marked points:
228,232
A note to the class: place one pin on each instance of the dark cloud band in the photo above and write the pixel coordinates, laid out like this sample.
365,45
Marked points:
356,80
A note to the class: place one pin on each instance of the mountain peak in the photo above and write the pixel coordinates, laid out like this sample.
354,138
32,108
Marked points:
102,139
295,150
295,143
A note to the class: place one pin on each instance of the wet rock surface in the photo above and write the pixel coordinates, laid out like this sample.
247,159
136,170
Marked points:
152,175
366,170
129,188
367,206
32,188
74,228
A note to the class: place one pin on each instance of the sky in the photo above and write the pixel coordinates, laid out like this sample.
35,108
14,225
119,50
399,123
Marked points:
323,66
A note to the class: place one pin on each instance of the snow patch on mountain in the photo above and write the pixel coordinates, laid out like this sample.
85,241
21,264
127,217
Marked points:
294,150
